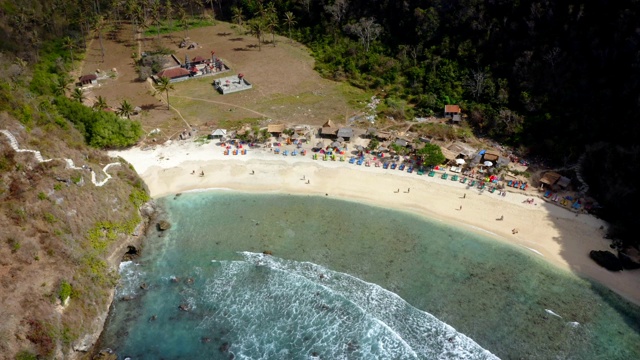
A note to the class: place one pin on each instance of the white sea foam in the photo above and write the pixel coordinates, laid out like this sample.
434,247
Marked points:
312,307
131,275
535,251
552,313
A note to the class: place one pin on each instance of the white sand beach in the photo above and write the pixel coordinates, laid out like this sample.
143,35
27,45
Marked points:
553,233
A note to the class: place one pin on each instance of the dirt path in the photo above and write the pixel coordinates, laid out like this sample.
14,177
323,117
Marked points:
222,103
68,162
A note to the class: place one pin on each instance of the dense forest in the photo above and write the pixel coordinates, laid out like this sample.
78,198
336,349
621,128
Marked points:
558,80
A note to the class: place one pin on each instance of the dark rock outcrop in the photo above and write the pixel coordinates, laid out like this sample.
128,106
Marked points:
163,225
606,259
629,258
132,253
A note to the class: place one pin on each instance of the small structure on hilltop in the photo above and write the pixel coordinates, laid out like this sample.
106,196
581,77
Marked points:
232,84
89,79
174,74
453,112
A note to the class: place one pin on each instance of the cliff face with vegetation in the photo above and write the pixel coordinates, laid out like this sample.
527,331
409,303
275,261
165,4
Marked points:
58,230
63,227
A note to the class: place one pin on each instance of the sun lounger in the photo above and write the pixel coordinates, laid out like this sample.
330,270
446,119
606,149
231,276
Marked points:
444,176
401,167
393,166
360,161
510,183
294,153
454,178
463,180
352,160
492,190
385,165
547,194
421,171
410,169
235,152
472,183
377,164
367,164
432,173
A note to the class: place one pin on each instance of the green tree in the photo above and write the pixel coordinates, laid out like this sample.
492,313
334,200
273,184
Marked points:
78,95
257,28
184,21
99,26
237,16
69,44
61,85
289,20
101,103
272,23
165,85
125,109
431,155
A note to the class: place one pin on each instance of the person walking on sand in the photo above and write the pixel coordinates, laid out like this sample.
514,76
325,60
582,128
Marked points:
308,181
464,196
460,207
193,172
408,189
252,172
202,173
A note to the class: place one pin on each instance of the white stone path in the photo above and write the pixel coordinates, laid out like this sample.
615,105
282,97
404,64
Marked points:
69,163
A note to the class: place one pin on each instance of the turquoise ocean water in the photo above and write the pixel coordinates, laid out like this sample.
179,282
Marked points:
350,281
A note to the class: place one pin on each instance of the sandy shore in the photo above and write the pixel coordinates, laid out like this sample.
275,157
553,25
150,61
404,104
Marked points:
548,231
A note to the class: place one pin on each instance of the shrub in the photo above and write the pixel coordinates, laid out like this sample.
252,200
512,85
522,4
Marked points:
26,355
42,196
65,291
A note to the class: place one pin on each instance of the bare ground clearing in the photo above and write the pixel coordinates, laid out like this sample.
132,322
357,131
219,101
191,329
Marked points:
285,86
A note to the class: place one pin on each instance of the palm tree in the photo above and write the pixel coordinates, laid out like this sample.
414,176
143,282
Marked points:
184,21
257,27
99,26
68,43
237,17
165,85
100,104
61,86
272,23
168,13
78,95
290,20
125,109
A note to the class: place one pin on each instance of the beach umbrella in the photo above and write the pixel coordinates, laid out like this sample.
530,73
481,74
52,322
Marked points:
335,144
280,139
460,161
340,139
382,148
488,163
359,148
295,136
320,145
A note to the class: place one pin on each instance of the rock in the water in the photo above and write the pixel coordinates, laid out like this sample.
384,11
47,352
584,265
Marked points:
267,252
224,347
629,258
163,225
184,307
606,259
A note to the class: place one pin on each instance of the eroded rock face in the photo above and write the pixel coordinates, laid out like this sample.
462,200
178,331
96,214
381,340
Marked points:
163,225
606,259
132,253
